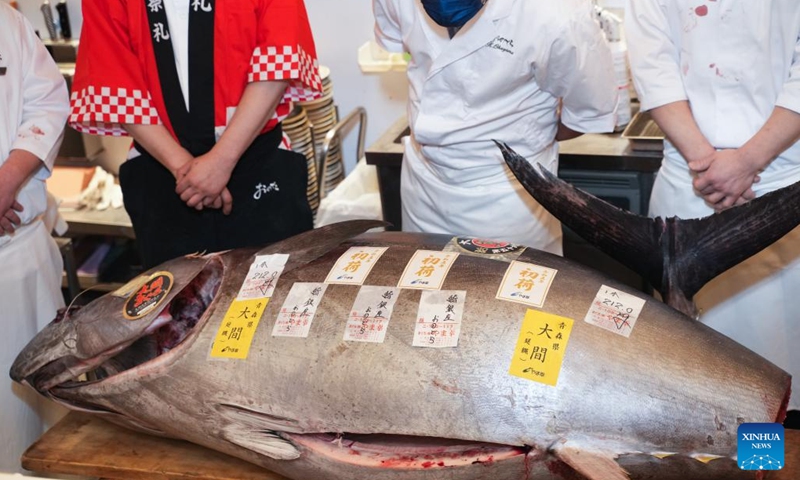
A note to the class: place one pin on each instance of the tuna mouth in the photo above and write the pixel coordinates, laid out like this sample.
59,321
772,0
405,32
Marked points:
405,452
171,329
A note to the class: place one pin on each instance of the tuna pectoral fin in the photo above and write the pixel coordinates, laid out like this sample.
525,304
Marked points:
258,431
592,465
631,239
309,246
261,442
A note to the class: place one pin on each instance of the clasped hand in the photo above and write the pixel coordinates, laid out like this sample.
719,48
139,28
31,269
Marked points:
724,179
202,182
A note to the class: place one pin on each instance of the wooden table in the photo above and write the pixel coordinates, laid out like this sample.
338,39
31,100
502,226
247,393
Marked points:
83,444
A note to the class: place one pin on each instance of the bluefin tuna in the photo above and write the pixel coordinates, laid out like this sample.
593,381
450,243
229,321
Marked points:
661,401
314,358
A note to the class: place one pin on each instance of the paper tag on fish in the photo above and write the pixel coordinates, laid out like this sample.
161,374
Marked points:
615,311
299,308
439,318
427,270
148,296
526,283
354,265
262,278
238,327
541,347
370,315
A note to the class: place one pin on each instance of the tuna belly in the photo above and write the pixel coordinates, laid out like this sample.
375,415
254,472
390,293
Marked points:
395,457
391,457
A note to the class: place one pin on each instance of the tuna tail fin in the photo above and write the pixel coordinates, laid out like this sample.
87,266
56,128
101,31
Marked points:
313,244
591,464
704,248
676,256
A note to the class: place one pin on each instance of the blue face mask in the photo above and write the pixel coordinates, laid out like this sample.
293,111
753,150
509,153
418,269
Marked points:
452,13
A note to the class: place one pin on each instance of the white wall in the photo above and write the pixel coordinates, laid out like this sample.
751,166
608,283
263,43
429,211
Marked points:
340,27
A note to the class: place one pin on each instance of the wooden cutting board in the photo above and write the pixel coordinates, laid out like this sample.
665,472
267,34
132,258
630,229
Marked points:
83,444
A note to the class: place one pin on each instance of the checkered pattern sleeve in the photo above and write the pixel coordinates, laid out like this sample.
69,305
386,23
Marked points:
109,89
103,110
286,50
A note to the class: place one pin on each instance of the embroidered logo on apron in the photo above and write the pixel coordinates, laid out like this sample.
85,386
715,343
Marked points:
262,189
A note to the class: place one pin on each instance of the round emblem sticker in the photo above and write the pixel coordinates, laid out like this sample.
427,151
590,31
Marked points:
148,296
487,247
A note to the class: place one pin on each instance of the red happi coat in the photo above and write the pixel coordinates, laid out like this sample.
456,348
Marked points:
116,81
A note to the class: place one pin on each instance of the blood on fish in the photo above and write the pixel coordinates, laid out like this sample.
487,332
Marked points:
701,11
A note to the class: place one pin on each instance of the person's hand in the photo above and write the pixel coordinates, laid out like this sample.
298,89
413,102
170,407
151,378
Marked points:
202,182
724,179
223,201
10,221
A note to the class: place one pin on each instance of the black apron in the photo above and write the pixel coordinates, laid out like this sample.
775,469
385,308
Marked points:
268,184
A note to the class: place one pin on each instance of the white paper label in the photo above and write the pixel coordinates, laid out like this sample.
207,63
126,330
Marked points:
298,310
427,270
615,311
354,265
370,314
439,318
526,283
263,277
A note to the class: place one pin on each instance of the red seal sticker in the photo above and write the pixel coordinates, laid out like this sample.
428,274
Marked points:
487,247
148,296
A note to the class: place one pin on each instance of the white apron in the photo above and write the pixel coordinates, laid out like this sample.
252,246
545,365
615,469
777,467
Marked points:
30,295
491,206
501,77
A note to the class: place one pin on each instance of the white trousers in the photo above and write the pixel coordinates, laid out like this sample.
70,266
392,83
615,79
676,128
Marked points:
30,295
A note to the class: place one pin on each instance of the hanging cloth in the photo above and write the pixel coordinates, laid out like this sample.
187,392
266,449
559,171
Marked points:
195,127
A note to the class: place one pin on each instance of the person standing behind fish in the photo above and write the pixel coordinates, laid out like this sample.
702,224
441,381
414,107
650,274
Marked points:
484,70
35,105
202,87
722,80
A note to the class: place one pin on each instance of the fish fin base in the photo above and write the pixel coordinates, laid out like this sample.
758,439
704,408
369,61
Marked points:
594,465
266,443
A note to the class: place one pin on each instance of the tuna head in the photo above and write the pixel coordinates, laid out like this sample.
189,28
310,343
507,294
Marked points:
145,319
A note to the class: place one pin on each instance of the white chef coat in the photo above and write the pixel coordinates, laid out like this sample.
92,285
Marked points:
733,61
500,78
34,110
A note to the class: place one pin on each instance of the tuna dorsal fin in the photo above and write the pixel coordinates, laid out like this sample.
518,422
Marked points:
629,238
676,256
593,465
311,245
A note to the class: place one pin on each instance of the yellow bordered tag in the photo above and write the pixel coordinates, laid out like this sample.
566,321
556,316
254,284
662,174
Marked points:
541,346
427,270
148,296
235,334
526,283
